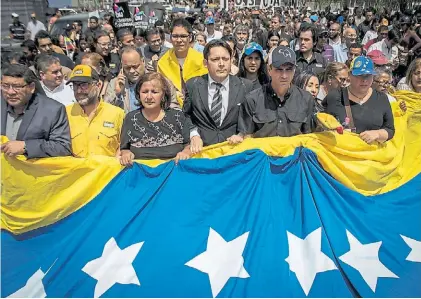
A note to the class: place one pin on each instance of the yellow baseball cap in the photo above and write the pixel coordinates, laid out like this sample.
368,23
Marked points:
83,73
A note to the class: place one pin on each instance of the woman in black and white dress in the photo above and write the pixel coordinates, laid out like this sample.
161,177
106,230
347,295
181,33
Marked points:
154,131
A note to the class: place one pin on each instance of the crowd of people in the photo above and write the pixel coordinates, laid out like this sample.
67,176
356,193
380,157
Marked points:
198,79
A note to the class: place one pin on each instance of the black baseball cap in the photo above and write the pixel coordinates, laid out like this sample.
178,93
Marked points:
282,55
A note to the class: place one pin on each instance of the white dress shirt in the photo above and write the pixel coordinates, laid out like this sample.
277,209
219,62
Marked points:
62,93
216,35
211,93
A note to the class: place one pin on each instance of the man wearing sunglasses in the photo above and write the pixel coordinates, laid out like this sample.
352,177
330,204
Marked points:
35,125
95,126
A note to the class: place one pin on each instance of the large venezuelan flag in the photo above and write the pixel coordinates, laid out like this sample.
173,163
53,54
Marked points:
319,215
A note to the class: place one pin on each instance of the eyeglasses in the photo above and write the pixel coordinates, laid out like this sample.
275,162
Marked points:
180,36
343,80
383,83
15,87
82,85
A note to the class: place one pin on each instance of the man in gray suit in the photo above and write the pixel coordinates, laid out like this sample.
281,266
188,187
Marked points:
36,126
213,101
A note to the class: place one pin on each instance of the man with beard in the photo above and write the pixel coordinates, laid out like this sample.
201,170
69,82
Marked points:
95,126
341,49
52,80
213,101
366,25
121,90
241,35
102,45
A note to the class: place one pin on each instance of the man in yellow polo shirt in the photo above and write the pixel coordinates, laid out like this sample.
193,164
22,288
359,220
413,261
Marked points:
95,126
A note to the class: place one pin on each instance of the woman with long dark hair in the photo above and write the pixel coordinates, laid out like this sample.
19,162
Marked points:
252,65
310,82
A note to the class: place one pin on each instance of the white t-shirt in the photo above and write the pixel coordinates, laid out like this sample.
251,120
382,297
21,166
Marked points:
35,28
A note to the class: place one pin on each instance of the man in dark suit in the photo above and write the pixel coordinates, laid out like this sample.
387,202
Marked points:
213,101
36,126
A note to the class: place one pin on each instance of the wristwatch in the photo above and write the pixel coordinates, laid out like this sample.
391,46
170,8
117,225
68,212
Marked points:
24,149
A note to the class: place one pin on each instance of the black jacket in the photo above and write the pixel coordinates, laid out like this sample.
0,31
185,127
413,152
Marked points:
196,108
317,63
264,115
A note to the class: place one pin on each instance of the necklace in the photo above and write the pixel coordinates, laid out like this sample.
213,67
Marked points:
359,98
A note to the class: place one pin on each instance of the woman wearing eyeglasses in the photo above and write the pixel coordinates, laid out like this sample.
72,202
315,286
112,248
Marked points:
382,81
361,108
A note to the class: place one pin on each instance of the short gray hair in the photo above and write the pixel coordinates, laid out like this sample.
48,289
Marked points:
242,27
44,61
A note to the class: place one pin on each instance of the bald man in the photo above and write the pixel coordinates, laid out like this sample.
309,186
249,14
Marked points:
350,35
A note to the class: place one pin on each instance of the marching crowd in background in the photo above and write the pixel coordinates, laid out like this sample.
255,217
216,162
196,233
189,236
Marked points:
201,78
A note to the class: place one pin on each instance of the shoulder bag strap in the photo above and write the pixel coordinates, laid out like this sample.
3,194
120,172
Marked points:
348,109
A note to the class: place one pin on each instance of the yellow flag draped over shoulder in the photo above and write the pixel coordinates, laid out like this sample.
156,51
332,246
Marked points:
36,193
193,66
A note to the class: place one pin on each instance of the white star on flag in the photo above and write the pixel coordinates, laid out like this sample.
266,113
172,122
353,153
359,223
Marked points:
365,259
114,266
34,288
306,258
415,254
221,260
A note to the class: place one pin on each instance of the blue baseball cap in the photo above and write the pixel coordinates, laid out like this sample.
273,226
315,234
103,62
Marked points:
209,20
314,18
253,47
362,65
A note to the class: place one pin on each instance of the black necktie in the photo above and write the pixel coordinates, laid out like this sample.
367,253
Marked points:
216,107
